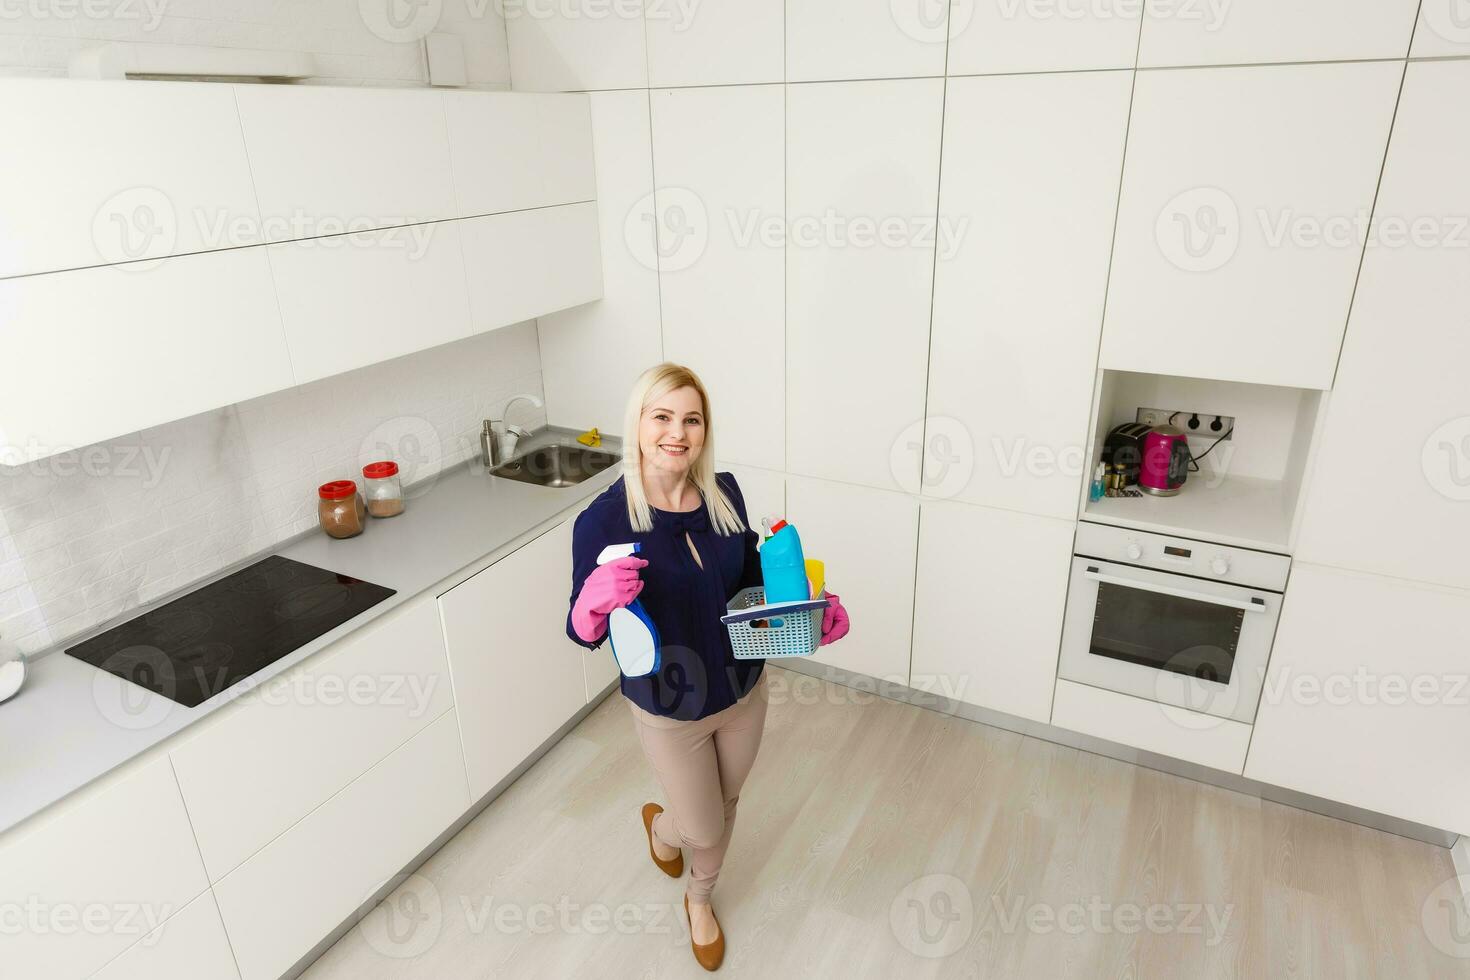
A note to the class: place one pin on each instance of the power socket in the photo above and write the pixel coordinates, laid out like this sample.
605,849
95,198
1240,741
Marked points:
1206,429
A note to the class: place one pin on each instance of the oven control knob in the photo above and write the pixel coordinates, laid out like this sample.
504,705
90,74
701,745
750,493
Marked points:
1134,550
1220,565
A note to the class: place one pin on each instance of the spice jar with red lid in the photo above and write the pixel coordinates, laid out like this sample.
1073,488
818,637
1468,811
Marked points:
383,489
340,509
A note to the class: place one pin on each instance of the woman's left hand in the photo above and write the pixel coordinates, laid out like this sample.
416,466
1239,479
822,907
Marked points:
834,620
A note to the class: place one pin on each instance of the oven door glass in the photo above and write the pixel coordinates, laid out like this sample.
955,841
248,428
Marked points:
1151,629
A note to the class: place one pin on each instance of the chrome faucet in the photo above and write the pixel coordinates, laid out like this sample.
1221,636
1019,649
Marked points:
498,438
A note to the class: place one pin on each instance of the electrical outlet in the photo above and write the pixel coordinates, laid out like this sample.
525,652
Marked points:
1214,427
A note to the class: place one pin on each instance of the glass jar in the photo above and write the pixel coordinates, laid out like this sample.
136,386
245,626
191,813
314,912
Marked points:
382,488
340,509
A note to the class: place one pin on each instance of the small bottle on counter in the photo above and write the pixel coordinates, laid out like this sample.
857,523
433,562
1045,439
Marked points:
383,489
340,509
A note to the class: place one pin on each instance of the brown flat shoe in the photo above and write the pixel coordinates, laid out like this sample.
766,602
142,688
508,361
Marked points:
673,867
709,956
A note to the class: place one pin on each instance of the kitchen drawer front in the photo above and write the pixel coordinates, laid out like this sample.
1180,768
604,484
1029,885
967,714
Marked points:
262,764
120,854
529,263
1202,739
283,901
517,150
190,946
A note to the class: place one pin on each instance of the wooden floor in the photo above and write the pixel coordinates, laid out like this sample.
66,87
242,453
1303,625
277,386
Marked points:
878,839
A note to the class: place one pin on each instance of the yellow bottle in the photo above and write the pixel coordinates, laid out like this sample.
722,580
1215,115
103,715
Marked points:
815,577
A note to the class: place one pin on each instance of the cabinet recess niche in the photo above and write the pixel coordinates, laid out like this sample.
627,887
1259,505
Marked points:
1248,488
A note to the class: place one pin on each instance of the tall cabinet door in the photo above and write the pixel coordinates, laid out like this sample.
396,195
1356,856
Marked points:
1238,242
517,677
1031,169
1401,405
859,214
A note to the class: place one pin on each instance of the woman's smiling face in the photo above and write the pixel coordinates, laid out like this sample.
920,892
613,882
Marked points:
671,431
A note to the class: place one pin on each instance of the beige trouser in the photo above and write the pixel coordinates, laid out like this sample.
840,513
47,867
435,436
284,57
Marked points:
701,765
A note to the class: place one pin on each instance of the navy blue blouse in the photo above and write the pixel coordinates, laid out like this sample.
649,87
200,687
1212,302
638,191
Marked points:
698,674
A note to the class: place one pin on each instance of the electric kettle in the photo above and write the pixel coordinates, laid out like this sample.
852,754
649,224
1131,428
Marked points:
1165,461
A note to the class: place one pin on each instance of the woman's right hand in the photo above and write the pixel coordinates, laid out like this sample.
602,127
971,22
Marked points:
608,587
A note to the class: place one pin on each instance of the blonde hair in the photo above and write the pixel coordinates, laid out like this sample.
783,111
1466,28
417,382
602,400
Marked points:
654,383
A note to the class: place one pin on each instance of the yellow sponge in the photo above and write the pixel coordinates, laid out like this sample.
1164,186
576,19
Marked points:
590,438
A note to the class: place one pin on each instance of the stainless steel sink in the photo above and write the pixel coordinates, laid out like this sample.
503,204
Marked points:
555,466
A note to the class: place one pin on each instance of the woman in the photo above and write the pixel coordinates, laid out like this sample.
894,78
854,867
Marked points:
700,713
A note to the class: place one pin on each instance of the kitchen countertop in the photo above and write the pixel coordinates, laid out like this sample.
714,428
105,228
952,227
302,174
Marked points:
73,723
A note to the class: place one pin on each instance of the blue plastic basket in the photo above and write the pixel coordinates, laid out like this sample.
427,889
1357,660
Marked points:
788,629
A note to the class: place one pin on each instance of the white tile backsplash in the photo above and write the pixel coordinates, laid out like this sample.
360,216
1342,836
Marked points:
92,533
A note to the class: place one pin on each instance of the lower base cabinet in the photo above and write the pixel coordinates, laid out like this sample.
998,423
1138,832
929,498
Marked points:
288,897
192,945
1367,697
517,677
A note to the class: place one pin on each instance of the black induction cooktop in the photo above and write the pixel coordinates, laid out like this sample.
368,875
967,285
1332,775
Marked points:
193,648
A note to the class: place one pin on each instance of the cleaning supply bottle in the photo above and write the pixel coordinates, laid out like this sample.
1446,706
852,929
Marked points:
783,569
630,630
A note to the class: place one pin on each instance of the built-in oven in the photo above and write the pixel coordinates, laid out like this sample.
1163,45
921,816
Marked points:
1171,620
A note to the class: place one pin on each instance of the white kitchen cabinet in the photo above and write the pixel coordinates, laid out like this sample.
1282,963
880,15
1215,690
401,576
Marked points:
518,150
243,775
1017,36
840,39
116,349
577,45
1192,736
1237,32
1017,304
860,215
865,538
1238,242
599,669
91,876
93,173
191,945
1365,697
517,676
353,300
1401,404
328,159
992,588
715,42
720,158
764,492
591,354
525,264
283,901
1443,30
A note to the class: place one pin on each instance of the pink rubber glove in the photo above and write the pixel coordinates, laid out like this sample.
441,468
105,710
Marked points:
834,620
609,587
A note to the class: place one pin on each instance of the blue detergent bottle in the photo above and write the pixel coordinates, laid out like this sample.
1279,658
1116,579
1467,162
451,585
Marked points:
783,567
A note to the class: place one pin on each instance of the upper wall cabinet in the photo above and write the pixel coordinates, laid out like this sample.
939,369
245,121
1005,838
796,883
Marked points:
526,263
583,45
550,161
715,42
95,173
1239,229
1031,167
860,221
1236,32
328,160
1443,29
830,40
102,352
1401,394
1001,37
720,156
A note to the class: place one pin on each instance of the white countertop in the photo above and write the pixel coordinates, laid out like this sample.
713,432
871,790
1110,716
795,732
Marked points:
72,723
